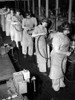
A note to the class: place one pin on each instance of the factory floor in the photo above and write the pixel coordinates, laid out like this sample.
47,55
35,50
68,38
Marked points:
44,89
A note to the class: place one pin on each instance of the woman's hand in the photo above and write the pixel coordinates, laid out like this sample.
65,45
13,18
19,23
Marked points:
68,53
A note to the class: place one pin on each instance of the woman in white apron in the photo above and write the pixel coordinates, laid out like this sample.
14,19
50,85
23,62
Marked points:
40,46
27,41
59,53
16,25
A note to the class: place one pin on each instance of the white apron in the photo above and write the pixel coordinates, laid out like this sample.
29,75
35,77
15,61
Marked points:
16,30
8,22
58,61
27,41
41,58
3,23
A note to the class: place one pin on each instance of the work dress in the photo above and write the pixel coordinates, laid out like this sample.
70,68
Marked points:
40,48
27,41
16,30
3,19
8,22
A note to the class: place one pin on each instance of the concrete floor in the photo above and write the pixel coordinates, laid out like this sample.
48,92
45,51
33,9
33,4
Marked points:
44,90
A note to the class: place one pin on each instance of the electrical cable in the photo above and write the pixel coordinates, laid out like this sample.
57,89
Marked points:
39,49
70,81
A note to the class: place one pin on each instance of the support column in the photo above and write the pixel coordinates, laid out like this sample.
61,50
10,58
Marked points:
15,4
39,7
70,11
57,7
24,6
33,6
56,19
47,7
28,5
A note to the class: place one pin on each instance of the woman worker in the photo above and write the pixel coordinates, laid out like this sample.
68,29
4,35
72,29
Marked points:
59,53
41,30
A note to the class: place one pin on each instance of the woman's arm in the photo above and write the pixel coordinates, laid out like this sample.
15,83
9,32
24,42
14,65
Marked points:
57,49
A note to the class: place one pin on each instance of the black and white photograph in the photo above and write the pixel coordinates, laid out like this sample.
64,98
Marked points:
37,49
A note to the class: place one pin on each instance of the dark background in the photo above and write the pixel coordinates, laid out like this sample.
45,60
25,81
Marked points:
63,4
